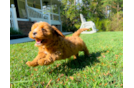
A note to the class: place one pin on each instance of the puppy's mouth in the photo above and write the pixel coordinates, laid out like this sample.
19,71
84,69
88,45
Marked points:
39,41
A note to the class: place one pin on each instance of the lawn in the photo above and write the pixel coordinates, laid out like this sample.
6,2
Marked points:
103,69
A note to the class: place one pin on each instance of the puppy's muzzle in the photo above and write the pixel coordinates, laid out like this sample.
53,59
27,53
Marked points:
34,33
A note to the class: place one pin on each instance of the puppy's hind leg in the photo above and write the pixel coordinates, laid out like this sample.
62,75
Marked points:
86,52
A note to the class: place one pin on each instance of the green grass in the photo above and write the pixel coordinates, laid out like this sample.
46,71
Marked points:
103,69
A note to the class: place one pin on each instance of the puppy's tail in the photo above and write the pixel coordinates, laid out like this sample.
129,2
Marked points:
77,33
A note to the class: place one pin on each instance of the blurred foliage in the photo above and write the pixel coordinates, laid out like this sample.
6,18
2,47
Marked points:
14,32
106,14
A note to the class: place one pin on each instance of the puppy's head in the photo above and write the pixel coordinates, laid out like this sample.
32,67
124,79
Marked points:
42,32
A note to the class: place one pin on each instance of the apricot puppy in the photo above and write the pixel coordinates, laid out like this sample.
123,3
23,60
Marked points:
53,45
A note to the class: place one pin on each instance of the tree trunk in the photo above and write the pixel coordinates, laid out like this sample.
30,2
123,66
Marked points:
117,14
106,11
74,2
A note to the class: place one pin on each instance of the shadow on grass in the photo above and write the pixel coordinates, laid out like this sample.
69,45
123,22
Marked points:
72,66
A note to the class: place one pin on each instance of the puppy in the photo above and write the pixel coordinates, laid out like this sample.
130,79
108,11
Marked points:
53,45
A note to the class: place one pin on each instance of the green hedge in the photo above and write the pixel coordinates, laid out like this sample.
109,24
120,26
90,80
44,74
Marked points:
14,32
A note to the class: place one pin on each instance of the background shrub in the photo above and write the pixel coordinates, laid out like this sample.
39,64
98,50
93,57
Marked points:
106,14
14,32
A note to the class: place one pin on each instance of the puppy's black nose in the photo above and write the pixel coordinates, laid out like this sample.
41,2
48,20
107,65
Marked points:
34,33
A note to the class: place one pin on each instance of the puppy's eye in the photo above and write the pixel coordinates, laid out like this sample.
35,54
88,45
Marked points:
44,30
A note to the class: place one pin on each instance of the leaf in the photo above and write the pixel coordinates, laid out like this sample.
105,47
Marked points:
99,57
102,63
48,83
116,55
110,74
105,84
48,67
61,82
85,76
58,65
43,83
104,56
107,51
66,79
72,78
121,85
104,74
61,75
35,69
10,84
58,79
93,79
31,74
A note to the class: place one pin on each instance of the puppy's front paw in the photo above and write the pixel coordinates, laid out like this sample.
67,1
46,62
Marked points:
28,63
41,62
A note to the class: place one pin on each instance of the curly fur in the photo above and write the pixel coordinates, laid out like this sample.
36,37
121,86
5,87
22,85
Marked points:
53,45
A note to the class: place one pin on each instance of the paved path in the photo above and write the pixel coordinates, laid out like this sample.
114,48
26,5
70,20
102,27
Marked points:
27,39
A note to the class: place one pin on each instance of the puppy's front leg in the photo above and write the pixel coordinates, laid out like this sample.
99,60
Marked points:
35,61
47,60
50,58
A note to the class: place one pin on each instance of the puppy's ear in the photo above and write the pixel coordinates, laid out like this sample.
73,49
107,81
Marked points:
57,31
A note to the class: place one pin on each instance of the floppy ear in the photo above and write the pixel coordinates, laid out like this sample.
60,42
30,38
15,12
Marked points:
57,31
